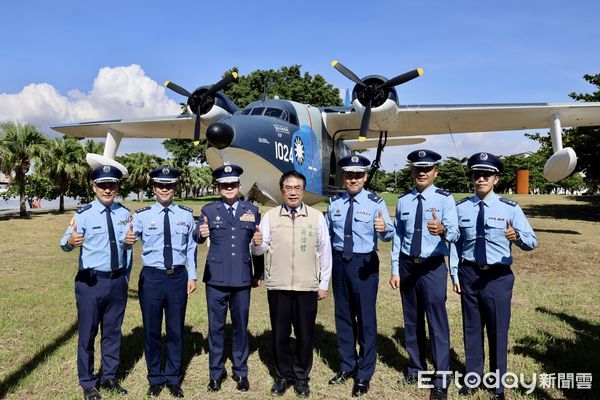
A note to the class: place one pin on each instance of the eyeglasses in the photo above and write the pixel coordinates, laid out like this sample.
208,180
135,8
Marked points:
423,169
475,175
168,186
353,175
106,185
228,185
289,189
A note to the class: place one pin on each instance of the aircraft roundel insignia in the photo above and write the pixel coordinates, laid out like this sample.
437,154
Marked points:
422,154
354,159
227,169
483,156
166,171
299,150
106,169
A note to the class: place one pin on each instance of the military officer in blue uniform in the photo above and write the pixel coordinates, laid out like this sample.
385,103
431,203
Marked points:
231,224
102,281
356,219
425,221
168,276
480,267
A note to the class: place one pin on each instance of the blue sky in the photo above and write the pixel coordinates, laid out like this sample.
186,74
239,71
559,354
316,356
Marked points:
471,51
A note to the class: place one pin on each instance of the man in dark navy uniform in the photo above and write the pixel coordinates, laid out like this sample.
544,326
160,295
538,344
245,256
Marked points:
231,224
101,283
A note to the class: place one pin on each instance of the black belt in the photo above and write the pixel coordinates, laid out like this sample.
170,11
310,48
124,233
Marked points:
103,274
420,260
484,267
169,271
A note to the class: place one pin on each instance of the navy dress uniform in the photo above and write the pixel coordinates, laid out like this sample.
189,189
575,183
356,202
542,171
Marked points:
228,275
418,259
355,273
481,264
169,261
102,281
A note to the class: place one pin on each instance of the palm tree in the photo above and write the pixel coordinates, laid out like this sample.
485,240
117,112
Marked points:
64,162
139,165
20,145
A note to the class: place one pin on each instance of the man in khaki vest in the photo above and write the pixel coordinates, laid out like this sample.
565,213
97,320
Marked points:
297,271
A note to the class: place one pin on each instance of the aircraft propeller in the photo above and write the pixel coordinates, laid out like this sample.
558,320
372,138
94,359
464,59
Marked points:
373,91
201,100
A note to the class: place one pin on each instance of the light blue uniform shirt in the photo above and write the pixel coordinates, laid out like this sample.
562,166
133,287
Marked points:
366,208
434,199
90,220
148,224
498,210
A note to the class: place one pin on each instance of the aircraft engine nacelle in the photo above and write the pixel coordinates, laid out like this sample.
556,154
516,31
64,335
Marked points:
560,165
212,106
384,104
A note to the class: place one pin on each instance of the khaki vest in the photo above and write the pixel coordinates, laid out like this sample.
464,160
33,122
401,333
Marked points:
292,262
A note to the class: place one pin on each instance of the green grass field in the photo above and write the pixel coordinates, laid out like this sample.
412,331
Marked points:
555,323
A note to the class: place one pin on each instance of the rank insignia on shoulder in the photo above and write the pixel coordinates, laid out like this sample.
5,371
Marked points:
509,202
405,193
139,210
121,205
186,208
84,208
334,197
443,192
462,201
373,197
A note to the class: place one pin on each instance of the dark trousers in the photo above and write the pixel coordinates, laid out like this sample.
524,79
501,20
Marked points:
100,302
161,293
218,299
485,299
355,286
423,293
295,309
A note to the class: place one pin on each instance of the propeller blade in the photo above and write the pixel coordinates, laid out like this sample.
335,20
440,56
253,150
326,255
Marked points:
197,128
222,83
403,78
177,89
364,124
347,73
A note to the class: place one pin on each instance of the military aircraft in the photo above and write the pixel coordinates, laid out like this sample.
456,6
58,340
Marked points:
272,136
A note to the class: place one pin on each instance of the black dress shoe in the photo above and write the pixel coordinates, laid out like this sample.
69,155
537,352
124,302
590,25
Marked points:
214,385
176,391
498,396
91,393
280,386
341,377
243,385
361,386
155,389
113,386
302,389
438,393
408,379
467,391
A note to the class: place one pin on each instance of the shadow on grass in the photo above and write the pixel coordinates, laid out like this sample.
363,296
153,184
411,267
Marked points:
132,294
24,370
7,215
559,231
132,348
589,211
562,355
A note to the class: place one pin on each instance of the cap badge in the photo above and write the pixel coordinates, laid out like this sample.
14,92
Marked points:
227,169
483,156
106,169
354,159
422,154
166,171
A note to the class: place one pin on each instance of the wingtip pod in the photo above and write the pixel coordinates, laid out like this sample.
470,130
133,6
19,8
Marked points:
560,165
420,71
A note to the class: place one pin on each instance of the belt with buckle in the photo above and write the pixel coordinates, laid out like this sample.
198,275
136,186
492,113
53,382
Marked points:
104,274
420,260
168,271
484,267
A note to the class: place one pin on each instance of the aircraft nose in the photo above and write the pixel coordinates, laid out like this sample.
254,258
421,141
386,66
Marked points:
219,135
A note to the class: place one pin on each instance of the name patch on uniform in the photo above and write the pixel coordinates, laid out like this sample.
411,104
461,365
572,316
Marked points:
364,212
248,216
123,222
496,219
183,223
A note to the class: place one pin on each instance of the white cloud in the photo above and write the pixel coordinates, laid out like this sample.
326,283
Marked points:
117,92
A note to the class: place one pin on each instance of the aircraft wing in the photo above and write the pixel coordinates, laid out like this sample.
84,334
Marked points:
440,119
178,127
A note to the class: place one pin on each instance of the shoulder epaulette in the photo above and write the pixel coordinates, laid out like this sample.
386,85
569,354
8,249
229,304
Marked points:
462,201
82,209
375,198
186,208
121,205
443,192
509,202
139,210
334,197
405,193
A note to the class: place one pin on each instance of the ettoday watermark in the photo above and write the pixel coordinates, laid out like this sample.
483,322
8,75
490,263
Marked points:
510,380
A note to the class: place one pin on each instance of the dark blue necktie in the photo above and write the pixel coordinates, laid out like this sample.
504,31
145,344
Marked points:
480,256
167,250
348,239
415,245
114,255
230,211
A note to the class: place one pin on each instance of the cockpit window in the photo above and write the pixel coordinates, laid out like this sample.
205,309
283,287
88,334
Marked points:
247,111
257,111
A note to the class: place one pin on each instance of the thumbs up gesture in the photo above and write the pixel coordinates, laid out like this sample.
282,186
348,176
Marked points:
76,238
379,223
510,233
203,228
130,236
435,226
257,238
